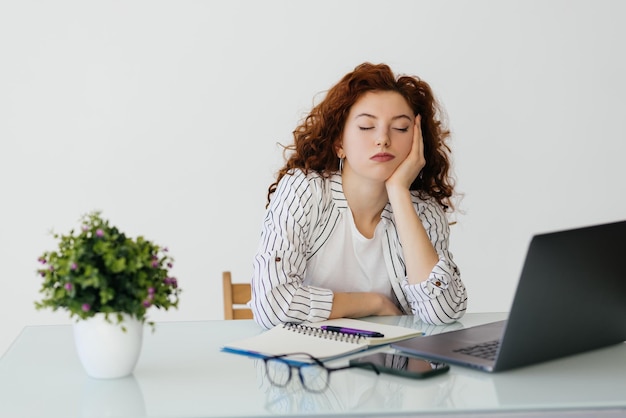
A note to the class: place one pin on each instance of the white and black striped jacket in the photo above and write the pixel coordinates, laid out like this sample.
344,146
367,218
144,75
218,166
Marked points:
301,216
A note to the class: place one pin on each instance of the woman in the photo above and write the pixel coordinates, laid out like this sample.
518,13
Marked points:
355,223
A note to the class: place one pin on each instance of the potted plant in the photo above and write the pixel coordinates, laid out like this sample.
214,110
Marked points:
107,282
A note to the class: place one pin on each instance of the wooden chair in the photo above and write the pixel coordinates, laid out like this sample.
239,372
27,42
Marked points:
236,295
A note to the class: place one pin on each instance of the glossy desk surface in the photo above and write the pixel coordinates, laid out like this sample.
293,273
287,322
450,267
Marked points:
183,373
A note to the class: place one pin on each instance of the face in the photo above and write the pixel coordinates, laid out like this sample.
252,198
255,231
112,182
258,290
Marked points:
377,136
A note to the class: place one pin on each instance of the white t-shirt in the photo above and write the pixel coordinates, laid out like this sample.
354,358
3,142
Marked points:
351,262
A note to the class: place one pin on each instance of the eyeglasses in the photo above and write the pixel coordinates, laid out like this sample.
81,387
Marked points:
314,375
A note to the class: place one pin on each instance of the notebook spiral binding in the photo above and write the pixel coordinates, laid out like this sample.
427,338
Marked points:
323,333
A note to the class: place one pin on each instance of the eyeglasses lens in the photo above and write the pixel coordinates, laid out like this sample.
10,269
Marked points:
278,372
314,377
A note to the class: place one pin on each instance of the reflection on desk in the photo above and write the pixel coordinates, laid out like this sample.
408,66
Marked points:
112,398
182,372
357,391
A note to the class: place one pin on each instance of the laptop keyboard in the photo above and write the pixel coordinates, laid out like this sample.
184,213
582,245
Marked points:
485,350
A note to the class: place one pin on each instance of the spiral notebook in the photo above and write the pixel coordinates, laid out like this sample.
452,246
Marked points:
310,338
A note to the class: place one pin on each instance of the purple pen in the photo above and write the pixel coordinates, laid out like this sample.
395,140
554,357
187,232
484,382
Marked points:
353,331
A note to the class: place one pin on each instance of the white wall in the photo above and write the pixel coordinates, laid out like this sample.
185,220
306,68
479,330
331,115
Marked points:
166,114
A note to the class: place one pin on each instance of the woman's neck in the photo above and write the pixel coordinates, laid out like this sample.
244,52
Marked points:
366,200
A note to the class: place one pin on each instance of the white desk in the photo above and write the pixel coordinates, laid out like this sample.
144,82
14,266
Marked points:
183,373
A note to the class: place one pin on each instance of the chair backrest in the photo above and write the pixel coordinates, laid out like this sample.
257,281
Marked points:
236,295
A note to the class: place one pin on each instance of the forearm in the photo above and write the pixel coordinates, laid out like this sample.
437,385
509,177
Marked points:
360,304
419,254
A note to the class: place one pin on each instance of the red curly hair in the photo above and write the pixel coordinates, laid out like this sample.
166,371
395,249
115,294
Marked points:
316,138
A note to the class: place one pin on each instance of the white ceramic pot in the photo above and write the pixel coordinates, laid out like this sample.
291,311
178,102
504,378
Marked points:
104,349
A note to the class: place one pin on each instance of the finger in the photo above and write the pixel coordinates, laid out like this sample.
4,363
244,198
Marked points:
418,140
417,129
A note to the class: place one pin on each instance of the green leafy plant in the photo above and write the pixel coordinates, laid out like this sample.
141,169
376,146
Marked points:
100,269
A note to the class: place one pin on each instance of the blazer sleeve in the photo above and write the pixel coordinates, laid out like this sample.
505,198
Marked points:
442,298
278,293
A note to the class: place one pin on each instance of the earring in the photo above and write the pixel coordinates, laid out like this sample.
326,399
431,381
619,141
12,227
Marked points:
340,165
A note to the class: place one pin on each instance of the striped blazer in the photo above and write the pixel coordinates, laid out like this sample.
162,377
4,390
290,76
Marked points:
302,214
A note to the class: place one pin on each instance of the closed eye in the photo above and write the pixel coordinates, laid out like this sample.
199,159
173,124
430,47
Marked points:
402,129
366,128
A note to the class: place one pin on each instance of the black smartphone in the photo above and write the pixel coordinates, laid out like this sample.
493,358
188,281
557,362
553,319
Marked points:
401,364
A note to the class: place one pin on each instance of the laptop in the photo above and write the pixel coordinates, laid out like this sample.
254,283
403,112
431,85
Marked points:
570,298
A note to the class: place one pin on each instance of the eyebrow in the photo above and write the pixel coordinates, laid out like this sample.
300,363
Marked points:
374,117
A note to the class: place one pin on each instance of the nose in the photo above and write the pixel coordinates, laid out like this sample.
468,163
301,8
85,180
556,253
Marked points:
383,140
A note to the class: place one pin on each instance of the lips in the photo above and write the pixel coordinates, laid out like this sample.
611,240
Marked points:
382,157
